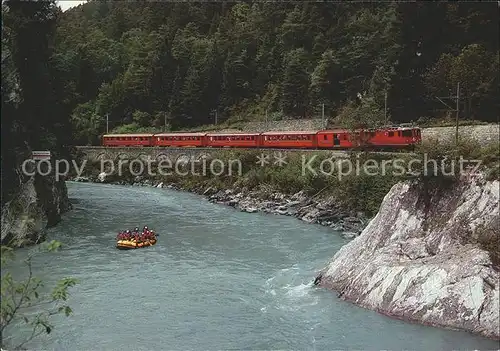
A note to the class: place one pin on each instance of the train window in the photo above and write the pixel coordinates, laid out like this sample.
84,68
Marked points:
407,133
391,134
325,137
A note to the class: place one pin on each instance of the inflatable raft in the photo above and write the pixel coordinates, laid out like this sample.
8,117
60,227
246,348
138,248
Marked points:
129,244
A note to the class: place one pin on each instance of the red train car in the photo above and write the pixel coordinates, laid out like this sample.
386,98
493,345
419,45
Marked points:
383,138
127,140
395,137
249,140
389,138
282,140
180,139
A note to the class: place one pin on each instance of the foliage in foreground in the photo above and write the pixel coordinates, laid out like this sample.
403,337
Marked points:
25,302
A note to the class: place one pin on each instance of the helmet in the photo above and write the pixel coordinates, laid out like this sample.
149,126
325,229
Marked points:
145,227
128,231
136,228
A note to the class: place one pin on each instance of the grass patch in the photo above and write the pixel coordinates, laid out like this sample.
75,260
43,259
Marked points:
448,160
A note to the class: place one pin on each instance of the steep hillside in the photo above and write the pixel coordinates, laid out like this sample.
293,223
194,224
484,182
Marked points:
149,65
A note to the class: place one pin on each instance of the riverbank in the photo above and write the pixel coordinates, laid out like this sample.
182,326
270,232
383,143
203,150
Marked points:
341,203
341,193
430,256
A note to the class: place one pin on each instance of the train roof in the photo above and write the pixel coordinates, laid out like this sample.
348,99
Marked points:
181,134
399,128
337,130
307,132
128,135
229,134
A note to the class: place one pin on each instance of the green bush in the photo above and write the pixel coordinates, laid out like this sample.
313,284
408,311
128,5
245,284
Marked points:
18,297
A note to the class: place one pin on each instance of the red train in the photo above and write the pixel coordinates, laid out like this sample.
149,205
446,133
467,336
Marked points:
385,138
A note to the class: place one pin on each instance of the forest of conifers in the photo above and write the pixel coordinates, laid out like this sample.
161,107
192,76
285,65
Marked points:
147,63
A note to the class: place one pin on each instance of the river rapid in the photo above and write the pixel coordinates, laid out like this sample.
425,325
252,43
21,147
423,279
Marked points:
217,279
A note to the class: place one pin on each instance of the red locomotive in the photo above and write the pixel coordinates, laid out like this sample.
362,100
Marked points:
384,138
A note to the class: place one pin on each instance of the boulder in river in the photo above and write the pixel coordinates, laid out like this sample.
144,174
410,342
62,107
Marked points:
102,177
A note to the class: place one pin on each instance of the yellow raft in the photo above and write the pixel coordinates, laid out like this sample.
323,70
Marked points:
129,244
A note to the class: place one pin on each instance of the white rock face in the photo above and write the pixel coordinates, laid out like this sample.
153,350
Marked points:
420,258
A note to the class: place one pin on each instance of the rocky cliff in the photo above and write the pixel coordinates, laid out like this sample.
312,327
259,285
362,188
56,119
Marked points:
430,256
36,205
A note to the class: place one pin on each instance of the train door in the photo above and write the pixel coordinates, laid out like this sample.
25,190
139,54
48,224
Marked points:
336,139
